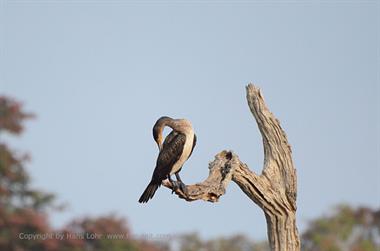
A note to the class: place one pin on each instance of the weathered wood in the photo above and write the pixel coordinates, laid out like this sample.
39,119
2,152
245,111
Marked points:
274,191
216,183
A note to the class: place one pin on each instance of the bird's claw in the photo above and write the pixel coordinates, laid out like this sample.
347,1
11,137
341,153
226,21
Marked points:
174,186
183,188
179,185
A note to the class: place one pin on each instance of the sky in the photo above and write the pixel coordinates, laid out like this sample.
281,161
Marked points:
98,74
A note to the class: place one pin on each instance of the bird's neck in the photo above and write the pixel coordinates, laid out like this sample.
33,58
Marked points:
180,125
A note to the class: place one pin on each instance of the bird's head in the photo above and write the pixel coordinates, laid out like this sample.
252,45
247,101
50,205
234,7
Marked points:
158,128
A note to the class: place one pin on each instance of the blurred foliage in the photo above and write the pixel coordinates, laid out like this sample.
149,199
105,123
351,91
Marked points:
347,229
21,207
192,242
15,191
24,224
102,233
12,116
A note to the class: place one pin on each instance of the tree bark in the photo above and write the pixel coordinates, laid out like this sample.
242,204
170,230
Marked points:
274,191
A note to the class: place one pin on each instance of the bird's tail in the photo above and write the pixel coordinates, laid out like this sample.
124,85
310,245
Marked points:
149,191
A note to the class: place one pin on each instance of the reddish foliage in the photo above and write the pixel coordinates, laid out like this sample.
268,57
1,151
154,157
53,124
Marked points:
12,116
23,221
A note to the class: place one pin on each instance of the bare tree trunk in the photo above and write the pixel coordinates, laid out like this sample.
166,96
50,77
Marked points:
274,191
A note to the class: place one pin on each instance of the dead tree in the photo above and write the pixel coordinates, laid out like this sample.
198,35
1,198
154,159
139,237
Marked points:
274,191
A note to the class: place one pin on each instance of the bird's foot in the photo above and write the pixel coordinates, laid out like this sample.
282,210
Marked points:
183,187
175,186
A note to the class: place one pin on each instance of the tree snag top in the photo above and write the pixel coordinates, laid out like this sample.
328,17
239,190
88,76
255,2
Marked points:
275,190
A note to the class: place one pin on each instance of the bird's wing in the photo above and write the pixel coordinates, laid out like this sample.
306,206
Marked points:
169,155
194,143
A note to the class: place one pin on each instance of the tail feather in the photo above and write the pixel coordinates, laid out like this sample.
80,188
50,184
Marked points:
149,192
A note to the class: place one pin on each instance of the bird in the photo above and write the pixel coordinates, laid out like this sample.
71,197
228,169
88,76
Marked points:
173,153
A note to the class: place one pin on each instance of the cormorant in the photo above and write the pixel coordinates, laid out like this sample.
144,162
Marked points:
175,150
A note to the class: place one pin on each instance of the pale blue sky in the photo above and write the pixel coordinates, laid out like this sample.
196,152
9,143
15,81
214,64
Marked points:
98,74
